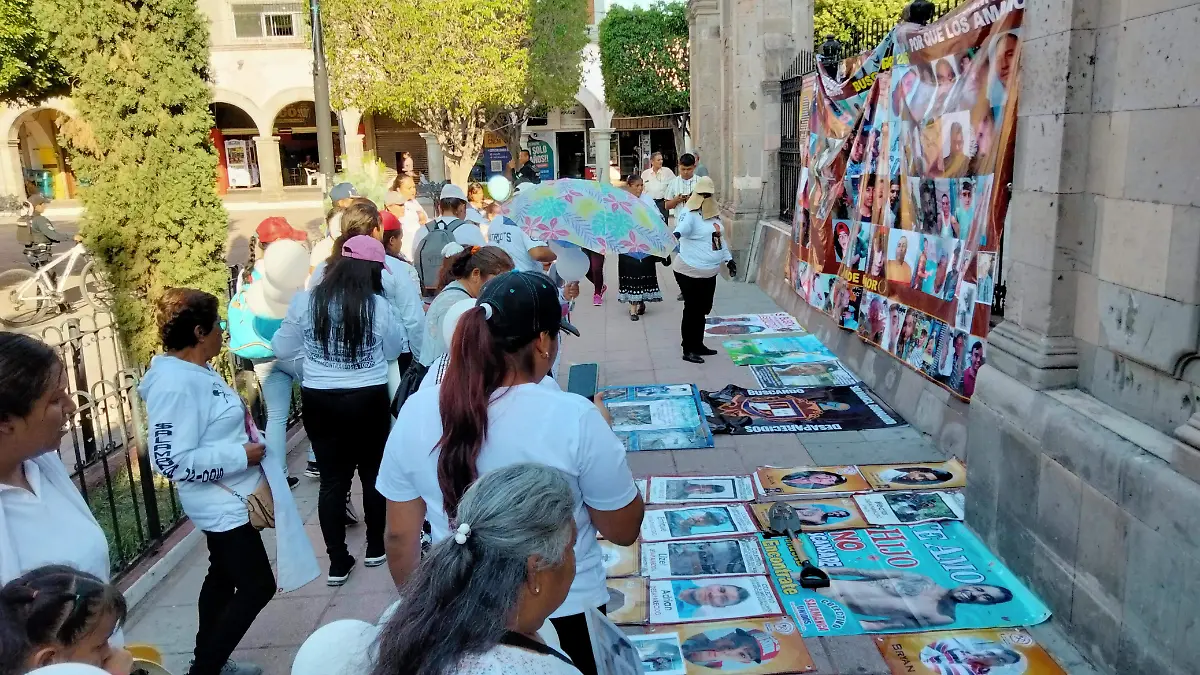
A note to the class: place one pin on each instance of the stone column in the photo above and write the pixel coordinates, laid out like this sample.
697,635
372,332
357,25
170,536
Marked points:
13,182
708,72
350,119
270,169
437,162
603,139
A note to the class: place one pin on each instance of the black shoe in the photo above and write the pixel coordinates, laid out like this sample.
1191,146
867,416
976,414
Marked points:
641,308
312,471
292,482
705,351
340,571
634,317
375,556
692,358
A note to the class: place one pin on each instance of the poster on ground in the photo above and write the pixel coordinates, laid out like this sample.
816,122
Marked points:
900,579
909,508
736,410
697,522
627,600
901,204
688,489
616,653
688,600
704,558
751,324
947,475
823,374
778,350
657,417
970,652
620,561
766,646
805,482
818,515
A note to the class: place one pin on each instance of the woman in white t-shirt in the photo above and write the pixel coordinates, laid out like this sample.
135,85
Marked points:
490,412
464,271
702,251
476,602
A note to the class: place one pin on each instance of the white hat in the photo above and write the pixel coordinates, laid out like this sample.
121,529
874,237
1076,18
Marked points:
452,191
343,647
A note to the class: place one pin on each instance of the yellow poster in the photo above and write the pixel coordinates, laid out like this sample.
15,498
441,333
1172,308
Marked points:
1003,651
627,600
766,646
809,481
620,561
946,475
818,515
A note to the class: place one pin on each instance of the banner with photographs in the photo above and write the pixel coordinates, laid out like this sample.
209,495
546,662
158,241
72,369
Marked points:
688,600
900,579
620,561
769,646
697,522
657,417
778,350
805,482
751,324
704,558
735,410
909,508
950,474
690,489
616,653
817,515
994,652
823,374
902,199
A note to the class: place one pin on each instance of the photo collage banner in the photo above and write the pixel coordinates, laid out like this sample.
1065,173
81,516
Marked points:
902,199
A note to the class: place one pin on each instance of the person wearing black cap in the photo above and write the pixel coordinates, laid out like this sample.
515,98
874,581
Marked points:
490,412
40,229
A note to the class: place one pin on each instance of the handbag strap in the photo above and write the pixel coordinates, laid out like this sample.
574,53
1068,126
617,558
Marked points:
514,639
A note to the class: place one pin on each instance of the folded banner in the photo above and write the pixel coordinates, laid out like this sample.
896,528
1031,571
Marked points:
900,579
735,410
657,417
751,324
768,646
994,652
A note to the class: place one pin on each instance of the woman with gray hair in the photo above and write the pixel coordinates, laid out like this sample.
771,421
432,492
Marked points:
476,602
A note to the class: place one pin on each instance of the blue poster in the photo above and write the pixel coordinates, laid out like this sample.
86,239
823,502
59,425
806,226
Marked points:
658,417
901,579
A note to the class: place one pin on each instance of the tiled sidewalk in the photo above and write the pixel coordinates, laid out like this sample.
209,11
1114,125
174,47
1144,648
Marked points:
629,352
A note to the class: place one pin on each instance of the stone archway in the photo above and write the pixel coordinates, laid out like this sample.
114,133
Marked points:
234,131
33,159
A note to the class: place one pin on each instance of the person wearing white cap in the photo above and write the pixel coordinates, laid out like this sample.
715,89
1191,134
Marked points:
449,227
702,251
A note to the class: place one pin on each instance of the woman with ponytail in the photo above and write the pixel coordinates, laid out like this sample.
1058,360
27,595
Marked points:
465,269
478,599
491,412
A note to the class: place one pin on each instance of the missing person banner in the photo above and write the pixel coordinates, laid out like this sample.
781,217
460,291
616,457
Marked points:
687,600
627,600
950,474
697,522
705,558
616,653
620,561
736,410
691,489
824,374
751,324
900,579
808,482
909,508
766,646
818,515
778,350
657,417
902,199
969,652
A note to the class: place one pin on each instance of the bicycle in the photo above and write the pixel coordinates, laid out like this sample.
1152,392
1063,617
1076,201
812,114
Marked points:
27,296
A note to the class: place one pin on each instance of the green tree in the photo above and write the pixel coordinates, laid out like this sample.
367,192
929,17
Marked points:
644,61
557,34
447,65
151,211
29,70
847,20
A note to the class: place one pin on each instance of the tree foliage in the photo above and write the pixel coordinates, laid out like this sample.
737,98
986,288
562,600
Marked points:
644,59
847,20
444,64
29,69
152,215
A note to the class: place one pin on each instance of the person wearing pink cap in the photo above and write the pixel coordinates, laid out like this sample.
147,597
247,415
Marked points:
347,332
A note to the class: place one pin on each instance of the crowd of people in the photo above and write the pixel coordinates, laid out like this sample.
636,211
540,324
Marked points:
426,367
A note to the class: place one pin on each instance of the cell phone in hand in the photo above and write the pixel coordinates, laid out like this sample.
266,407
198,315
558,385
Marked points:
582,379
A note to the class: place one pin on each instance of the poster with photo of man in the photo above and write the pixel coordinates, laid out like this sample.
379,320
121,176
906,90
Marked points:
689,600
703,558
697,522
1010,651
685,489
759,646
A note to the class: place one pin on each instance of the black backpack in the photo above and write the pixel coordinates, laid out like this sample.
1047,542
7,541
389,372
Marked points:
427,258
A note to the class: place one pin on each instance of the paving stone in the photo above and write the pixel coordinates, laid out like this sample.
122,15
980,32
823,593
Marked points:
704,461
855,654
286,622
873,452
816,649
651,463
171,629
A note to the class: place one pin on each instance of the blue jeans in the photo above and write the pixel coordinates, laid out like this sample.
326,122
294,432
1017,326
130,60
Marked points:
275,380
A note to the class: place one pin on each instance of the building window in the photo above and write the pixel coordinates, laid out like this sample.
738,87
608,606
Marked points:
267,21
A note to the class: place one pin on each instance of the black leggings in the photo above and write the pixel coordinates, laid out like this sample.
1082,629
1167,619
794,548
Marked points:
697,303
348,429
576,644
595,272
238,586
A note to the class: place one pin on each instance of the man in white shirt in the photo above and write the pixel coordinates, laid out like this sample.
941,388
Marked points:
528,254
452,205
680,188
656,179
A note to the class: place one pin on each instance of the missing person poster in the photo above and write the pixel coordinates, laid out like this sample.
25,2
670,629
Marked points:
751,324
626,600
736,410
766,646
616,653
900,579
970,652
901,204
620,561
697,522
704,558
947,475
687,600
778,351
824,374
804,482
909,508
657,417
687,489
817,515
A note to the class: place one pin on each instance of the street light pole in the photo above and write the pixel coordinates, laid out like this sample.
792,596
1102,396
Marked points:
321,96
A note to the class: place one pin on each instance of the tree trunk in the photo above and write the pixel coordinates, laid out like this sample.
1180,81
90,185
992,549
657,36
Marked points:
461,141
458,170
678,130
